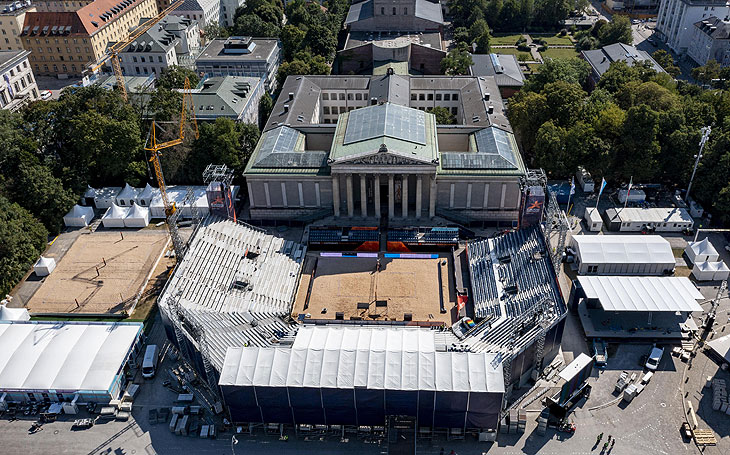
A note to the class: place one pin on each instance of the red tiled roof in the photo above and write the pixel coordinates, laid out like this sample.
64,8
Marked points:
86,21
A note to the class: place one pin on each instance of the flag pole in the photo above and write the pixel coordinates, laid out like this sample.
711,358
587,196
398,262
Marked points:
600,191
628,192
570,194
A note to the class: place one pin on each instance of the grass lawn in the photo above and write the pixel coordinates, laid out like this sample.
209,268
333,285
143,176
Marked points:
511,51
505,40
554,40
533,67
559,53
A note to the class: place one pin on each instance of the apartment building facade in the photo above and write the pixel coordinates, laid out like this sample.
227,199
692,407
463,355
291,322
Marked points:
710,41
242,56
57,6
676,19
62,44
202,11
12,16
17,83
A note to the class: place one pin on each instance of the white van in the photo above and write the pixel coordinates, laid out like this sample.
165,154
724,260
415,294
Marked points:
149,364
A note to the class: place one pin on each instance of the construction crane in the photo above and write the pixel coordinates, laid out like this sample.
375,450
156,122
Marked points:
155,150
112,52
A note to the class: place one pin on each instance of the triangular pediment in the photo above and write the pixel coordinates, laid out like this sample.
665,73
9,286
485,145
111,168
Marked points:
384,158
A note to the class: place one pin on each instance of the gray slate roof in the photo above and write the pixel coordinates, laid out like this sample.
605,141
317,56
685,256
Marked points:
601,59
714,27
359,11
430,11
503,67
223,96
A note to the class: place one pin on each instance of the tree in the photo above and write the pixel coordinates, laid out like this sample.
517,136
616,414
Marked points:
550,153
705,74
456,63
37,190
616,31
214,30
292,40
443,115
253,25
665,60
174,78
571,70
564,102
223,141
266,105
22,240
321,41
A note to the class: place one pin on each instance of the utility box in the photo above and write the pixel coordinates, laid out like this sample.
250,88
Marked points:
585,180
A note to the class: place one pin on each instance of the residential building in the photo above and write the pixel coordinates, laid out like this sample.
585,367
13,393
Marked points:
395,15
63,43
134,84
57,6
162,4
166,44
676,19
242,56
202,11
11,23
601,59
233,97
17,83
710,40
228,10
362,146
633,6
503,67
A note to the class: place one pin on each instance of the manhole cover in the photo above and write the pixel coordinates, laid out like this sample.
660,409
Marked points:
664,405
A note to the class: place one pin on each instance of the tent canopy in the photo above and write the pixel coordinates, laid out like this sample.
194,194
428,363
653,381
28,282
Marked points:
13,314
128,192
374,358
642,293
116,212
138,212
702,247
623,249
147,193
63,355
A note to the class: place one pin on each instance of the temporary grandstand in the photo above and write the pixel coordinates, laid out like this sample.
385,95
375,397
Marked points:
233,288
517,302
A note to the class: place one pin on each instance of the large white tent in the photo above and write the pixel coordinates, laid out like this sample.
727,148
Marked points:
622,254
14,314
710,270
114,216
145,197
106,197
65,358
44,266
642,293
78,216
701,251
137,216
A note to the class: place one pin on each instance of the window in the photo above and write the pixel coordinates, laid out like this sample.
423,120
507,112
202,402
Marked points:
430,96
358,96
134,59
325,96
455,97
349,97
455,110
447,97
592,269
413,97
342,97
121,202
438,97
394,13
382,11
159,58
142,59
326,110
405,11
421,97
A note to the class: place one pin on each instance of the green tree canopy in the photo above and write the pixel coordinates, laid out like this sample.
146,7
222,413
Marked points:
22,240
616,31
443,115
456,63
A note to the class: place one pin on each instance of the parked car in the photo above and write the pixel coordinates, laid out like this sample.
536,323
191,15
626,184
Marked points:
652,363
46,95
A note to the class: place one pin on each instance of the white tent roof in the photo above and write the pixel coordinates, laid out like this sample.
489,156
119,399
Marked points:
376,358
135,211
642,293
90,192
129,192
703,247
80,212
13,314
116,212
45,262
623,249
147,193
721,346
63,355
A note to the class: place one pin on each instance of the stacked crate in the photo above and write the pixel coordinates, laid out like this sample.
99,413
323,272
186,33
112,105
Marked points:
719,396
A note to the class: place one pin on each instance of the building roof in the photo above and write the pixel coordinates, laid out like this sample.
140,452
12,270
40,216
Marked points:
225,96
721,346
159,38
373,358
489,148
649,215
359,11
503,67
9,59
704,246
430,11
623,249
63,356
394,40
87,20
642,293
133,83
15,8
714,27
601,59
238,49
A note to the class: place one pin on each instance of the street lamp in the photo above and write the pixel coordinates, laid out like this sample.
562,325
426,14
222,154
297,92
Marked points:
705,135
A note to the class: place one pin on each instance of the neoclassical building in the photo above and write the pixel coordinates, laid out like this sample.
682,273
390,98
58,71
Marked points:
366,147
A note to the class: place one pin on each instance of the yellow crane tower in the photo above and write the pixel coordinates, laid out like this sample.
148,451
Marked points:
112,52
155,150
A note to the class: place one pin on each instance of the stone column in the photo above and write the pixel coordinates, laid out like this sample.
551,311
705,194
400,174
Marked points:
363,195
336,194
376,182
350,198
404,193
391,197
419,195
432,198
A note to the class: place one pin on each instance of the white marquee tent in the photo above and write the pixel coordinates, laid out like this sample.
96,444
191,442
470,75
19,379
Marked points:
78,216
14,314
114,216
710,270
44,266
137,216
642,293
622,254
145,197
128,195
701,251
